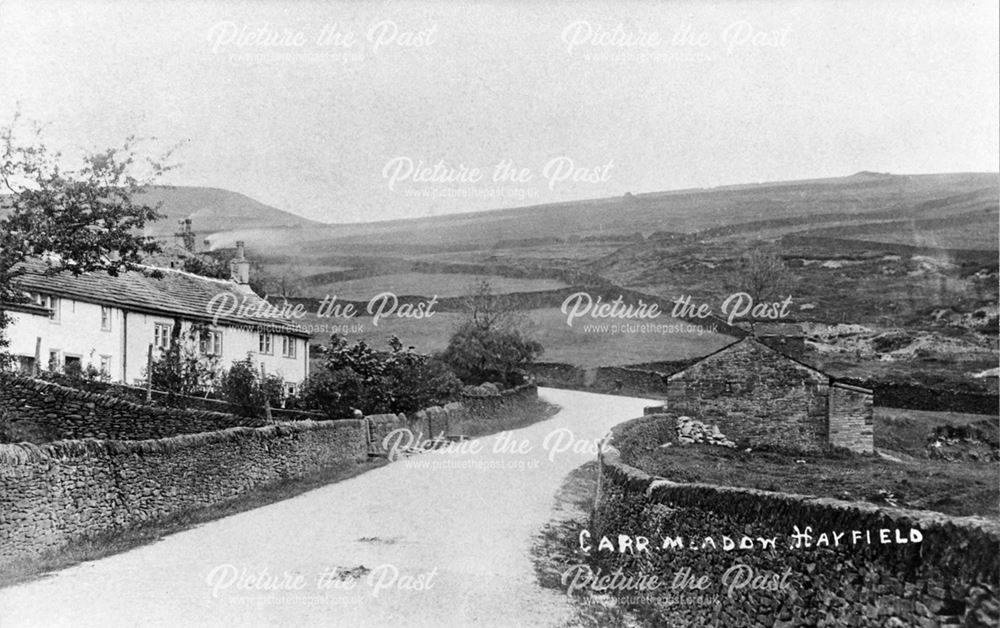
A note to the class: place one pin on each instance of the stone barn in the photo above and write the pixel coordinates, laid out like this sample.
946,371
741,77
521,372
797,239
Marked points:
758,395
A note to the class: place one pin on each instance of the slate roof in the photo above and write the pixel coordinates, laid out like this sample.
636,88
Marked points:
176,294
750,339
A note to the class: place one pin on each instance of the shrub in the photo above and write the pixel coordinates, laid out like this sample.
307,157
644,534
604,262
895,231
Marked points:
375,382
480,354
244,385
490,346
183,368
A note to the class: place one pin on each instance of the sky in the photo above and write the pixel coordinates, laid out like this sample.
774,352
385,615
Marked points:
352,112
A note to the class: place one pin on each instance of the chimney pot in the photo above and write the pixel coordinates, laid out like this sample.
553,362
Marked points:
239,268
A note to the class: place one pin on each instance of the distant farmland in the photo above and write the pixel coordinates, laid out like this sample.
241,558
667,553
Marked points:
428,285
574,345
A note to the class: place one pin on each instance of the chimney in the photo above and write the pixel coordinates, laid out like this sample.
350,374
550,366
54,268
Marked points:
239,267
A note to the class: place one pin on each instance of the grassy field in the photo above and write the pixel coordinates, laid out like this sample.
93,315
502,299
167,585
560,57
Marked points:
428,285
562,343
906,431
959,489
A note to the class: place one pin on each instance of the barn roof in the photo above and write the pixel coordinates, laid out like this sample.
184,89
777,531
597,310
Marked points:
751,339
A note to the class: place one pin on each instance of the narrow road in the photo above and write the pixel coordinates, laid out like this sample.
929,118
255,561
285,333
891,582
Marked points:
439,539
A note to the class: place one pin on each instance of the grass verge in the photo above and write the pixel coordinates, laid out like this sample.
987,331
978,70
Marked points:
964,488
556,550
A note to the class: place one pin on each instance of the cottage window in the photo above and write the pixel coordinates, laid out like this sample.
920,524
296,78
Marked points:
161,335
54,306
211,343
266,344
288,348
105,318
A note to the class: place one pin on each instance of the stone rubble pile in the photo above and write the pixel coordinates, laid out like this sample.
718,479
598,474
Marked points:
691,431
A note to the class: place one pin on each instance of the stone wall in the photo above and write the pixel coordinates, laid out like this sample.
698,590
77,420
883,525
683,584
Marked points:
949,577
756,396
916,397
448,420
851,420
56,412
557,375
604,379
58,492
137,394
625,380
509,400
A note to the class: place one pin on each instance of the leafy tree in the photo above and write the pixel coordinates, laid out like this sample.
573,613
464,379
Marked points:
416,380
490,346
335,393
215,264
79,218
479,354
206,266
358,376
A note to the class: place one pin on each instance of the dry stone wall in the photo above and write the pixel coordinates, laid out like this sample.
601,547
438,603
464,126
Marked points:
949,577
484,403
159,398
58,492
62,413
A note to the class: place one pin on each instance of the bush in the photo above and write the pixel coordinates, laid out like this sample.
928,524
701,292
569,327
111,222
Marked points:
182,369
479,354
243,385
377,382
335,393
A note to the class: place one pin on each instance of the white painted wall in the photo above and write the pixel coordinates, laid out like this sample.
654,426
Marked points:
75,332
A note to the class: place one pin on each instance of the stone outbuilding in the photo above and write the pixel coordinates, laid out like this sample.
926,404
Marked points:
760,396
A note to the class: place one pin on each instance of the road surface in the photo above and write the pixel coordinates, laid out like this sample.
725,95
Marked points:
433,540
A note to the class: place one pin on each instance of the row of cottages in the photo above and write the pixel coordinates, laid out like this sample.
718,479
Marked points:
110,323
759,391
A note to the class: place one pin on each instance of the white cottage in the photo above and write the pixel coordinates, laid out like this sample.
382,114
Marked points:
109,322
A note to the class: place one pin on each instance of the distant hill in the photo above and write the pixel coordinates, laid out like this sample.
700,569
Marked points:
213,210
941,209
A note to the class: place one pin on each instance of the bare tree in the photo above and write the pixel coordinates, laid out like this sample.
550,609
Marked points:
488,310
762,274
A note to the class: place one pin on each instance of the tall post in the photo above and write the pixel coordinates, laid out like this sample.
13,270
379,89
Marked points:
38,356
149,373
263,388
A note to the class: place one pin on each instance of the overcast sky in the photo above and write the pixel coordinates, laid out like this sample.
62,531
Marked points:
320,109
